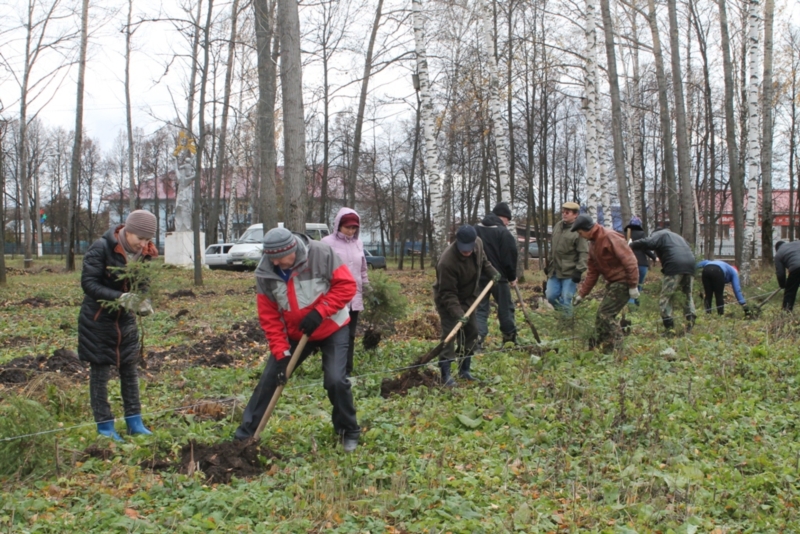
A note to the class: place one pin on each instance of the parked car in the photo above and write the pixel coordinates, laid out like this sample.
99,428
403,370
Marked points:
246,252
217,255
375,262
535,250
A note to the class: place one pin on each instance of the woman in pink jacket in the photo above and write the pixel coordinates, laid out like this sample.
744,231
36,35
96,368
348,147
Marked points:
346,243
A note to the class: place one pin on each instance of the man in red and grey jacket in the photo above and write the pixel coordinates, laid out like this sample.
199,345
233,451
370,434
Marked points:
303,288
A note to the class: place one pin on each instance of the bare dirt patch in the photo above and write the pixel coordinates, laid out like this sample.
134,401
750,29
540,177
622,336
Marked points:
63,361
222,461
410,379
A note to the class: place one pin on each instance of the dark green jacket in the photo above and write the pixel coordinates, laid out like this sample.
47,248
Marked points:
570,252
457,278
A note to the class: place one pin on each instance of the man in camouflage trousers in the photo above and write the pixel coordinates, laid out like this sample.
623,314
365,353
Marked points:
677,265
610,256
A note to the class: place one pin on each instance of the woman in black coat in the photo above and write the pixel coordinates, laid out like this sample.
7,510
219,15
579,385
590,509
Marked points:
107,336
634,231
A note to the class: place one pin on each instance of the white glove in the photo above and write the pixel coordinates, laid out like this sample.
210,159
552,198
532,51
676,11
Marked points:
130,301
633,292
577,299
145,308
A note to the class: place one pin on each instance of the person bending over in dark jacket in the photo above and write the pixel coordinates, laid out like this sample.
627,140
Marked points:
110,337
500,247
458,275
610,256
677,264
303,287
715,275
787,258
634,232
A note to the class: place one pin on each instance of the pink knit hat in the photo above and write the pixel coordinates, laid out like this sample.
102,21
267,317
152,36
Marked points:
141,223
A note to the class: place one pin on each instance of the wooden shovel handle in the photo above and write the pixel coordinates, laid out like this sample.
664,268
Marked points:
275,396
471,309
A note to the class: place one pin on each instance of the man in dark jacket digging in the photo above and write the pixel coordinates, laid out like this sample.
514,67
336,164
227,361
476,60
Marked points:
610,256
109,336
677,262
634,232
787,258
500,247
303,288
458,275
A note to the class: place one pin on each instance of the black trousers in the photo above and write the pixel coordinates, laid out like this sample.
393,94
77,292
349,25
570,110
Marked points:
352,347
714,285
790,291
98,390
335,382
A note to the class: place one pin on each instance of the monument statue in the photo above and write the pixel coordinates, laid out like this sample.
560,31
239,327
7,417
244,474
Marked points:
185,175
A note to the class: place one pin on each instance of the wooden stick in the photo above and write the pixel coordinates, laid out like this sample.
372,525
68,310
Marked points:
275,396
525,313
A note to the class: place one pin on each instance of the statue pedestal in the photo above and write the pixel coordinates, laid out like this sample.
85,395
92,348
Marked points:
179,248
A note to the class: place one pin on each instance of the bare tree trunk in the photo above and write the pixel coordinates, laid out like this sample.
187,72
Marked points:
128,120
735,172
590,109
201,119
362,104
75,167
294,142
682,133
267,89
409,198
434,177
616,116
766,136
3,130
213,219
753,148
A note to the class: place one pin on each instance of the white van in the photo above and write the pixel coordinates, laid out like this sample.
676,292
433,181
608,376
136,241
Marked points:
247,249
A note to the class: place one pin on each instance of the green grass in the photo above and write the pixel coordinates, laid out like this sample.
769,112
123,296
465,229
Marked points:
694,434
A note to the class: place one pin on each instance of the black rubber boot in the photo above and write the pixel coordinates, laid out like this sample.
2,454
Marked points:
512,338
669,327
447,380
463,369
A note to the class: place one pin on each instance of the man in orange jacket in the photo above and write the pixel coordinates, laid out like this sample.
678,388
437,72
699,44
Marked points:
609,255
303,288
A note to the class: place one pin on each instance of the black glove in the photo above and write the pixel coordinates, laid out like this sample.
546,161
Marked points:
310,322
748,312
282,365
576,277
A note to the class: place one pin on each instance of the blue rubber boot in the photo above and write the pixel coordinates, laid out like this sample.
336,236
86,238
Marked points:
107,429
136,426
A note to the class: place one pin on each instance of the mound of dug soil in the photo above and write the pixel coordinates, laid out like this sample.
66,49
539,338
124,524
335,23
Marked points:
216,351
221,461
427,326
63,361
410,379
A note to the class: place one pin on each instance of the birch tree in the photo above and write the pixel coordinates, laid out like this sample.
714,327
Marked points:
434,177
766,135
753,148
590,78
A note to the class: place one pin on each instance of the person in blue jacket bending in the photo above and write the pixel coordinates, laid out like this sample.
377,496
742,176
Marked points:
715,275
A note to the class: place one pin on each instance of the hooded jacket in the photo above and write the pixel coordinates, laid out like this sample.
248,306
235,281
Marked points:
610,256
351,251
787,259
107,337
319,281
674,252
570,252
637,232
458,278
499,246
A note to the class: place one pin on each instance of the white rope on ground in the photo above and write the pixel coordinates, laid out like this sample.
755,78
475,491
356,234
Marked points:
545,343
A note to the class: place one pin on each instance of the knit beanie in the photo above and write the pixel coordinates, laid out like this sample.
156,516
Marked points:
349,219
502,210
141,223
635,221
279,242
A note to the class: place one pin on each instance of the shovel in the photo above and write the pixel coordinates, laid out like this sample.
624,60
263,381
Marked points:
438,348
756,310
275,396
525,313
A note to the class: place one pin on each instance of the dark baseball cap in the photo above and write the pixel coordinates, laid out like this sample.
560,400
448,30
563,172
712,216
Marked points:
465,238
